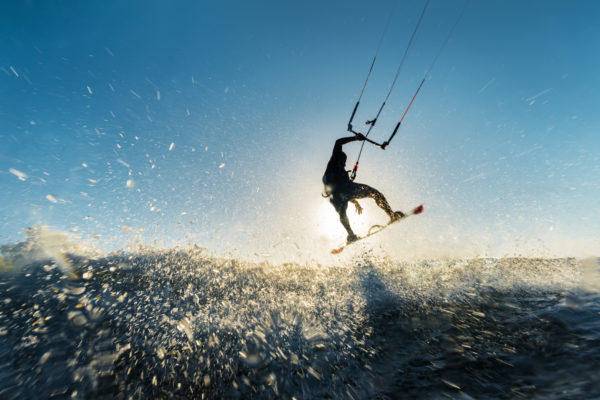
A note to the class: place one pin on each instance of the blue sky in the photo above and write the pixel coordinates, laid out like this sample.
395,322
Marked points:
211,122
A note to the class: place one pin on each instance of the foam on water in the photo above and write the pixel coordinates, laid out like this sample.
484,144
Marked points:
180,323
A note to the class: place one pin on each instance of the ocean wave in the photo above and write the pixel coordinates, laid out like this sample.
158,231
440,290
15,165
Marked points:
182,324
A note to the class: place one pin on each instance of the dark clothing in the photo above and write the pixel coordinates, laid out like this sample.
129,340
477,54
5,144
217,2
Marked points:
335,174
342,190
350,191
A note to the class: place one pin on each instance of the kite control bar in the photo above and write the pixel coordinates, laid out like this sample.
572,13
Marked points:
366,138
372,123
382,146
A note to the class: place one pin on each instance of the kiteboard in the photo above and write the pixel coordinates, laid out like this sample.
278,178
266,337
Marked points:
378,228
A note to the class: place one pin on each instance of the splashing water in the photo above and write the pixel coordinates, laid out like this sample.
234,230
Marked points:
181,324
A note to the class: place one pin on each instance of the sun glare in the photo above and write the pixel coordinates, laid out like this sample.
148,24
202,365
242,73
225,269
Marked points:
328,222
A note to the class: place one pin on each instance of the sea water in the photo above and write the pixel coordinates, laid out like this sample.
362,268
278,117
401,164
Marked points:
155,323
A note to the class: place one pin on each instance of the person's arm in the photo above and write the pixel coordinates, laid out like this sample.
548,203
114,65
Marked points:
342,141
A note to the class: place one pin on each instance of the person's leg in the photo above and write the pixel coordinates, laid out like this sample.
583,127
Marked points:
361,191
341,206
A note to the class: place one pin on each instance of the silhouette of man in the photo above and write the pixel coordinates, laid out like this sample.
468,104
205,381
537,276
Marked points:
342,190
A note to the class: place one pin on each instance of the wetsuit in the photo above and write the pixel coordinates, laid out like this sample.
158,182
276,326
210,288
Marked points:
343,190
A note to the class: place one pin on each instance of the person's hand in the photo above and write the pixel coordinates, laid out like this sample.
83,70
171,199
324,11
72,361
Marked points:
359,209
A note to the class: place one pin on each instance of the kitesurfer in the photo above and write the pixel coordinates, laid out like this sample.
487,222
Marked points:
342,190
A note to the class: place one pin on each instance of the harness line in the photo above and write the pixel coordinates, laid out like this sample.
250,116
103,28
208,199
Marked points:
387,142
372,64
372,122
